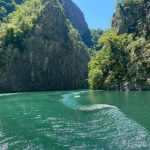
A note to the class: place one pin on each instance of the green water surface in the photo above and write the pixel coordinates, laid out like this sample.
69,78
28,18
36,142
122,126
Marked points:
75,120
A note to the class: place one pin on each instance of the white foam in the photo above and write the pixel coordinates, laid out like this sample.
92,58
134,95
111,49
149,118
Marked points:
9,94
1,134
69,101
77,96
75,93
4,146
83,91
96,107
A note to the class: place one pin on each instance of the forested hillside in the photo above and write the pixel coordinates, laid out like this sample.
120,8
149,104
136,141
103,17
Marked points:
8,6
124,60
40,49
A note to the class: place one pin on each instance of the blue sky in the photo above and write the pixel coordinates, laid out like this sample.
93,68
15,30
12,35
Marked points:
98,13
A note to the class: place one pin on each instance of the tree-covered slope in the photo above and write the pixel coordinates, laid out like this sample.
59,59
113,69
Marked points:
8,6
124,61
40,49
71,10
95,35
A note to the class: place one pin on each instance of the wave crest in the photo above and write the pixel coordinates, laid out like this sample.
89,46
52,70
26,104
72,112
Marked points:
9,94
96,107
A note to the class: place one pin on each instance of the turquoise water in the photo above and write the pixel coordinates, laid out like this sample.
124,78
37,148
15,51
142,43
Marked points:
75,120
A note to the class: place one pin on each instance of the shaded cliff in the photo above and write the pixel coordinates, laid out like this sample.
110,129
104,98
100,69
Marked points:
75,15
47,54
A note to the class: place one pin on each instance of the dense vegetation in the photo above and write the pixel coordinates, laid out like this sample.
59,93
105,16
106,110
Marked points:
126,2
16,25
40,48
118,60
8,6
95,35
124,60
19,22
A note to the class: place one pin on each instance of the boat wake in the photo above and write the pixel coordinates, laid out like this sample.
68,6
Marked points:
96,107
68,123
70,100
108,124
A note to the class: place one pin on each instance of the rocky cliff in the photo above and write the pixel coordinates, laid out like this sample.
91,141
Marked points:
124,60
72,12
75,15
133,17
47,54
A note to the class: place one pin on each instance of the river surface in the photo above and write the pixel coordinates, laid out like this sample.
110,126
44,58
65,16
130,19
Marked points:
75,120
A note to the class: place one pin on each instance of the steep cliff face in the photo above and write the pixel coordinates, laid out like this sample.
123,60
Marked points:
72,12
124,60
133,18
51,56
75,15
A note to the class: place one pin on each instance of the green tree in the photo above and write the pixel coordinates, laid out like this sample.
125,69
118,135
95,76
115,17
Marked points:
111,63
95,34
21,21
126,2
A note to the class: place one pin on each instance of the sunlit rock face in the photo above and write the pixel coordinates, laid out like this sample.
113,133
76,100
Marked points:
51,57
133,18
